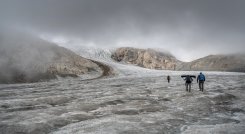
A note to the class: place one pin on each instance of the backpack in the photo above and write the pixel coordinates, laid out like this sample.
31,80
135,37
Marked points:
201,77
188,79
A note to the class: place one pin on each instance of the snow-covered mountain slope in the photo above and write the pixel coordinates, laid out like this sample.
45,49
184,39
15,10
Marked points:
95,53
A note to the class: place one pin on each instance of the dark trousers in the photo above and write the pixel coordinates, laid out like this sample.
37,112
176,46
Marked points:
201,85
188,87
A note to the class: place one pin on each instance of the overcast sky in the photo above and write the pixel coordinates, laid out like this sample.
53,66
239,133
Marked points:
189,29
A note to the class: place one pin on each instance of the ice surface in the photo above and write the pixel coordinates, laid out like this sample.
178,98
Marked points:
136,101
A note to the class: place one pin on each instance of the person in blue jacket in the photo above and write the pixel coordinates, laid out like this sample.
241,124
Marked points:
201,79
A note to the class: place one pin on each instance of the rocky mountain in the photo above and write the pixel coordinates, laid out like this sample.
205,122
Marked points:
26,59
153,59
232,63
147,58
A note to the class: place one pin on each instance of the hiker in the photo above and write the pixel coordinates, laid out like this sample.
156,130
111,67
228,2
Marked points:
200,80
168,78
188,80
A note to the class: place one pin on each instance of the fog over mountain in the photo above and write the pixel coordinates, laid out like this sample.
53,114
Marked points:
188,28
25,58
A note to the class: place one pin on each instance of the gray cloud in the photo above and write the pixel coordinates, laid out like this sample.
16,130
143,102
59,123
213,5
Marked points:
188,28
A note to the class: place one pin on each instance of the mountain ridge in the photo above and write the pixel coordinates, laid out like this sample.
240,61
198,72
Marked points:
163,61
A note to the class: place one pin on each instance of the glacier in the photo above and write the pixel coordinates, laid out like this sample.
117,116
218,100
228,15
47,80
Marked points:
134,101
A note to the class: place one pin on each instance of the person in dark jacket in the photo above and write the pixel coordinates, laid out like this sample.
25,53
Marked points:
200,80
168,78
188,80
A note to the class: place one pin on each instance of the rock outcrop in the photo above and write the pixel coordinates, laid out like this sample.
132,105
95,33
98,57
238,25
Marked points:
32,60
147,58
